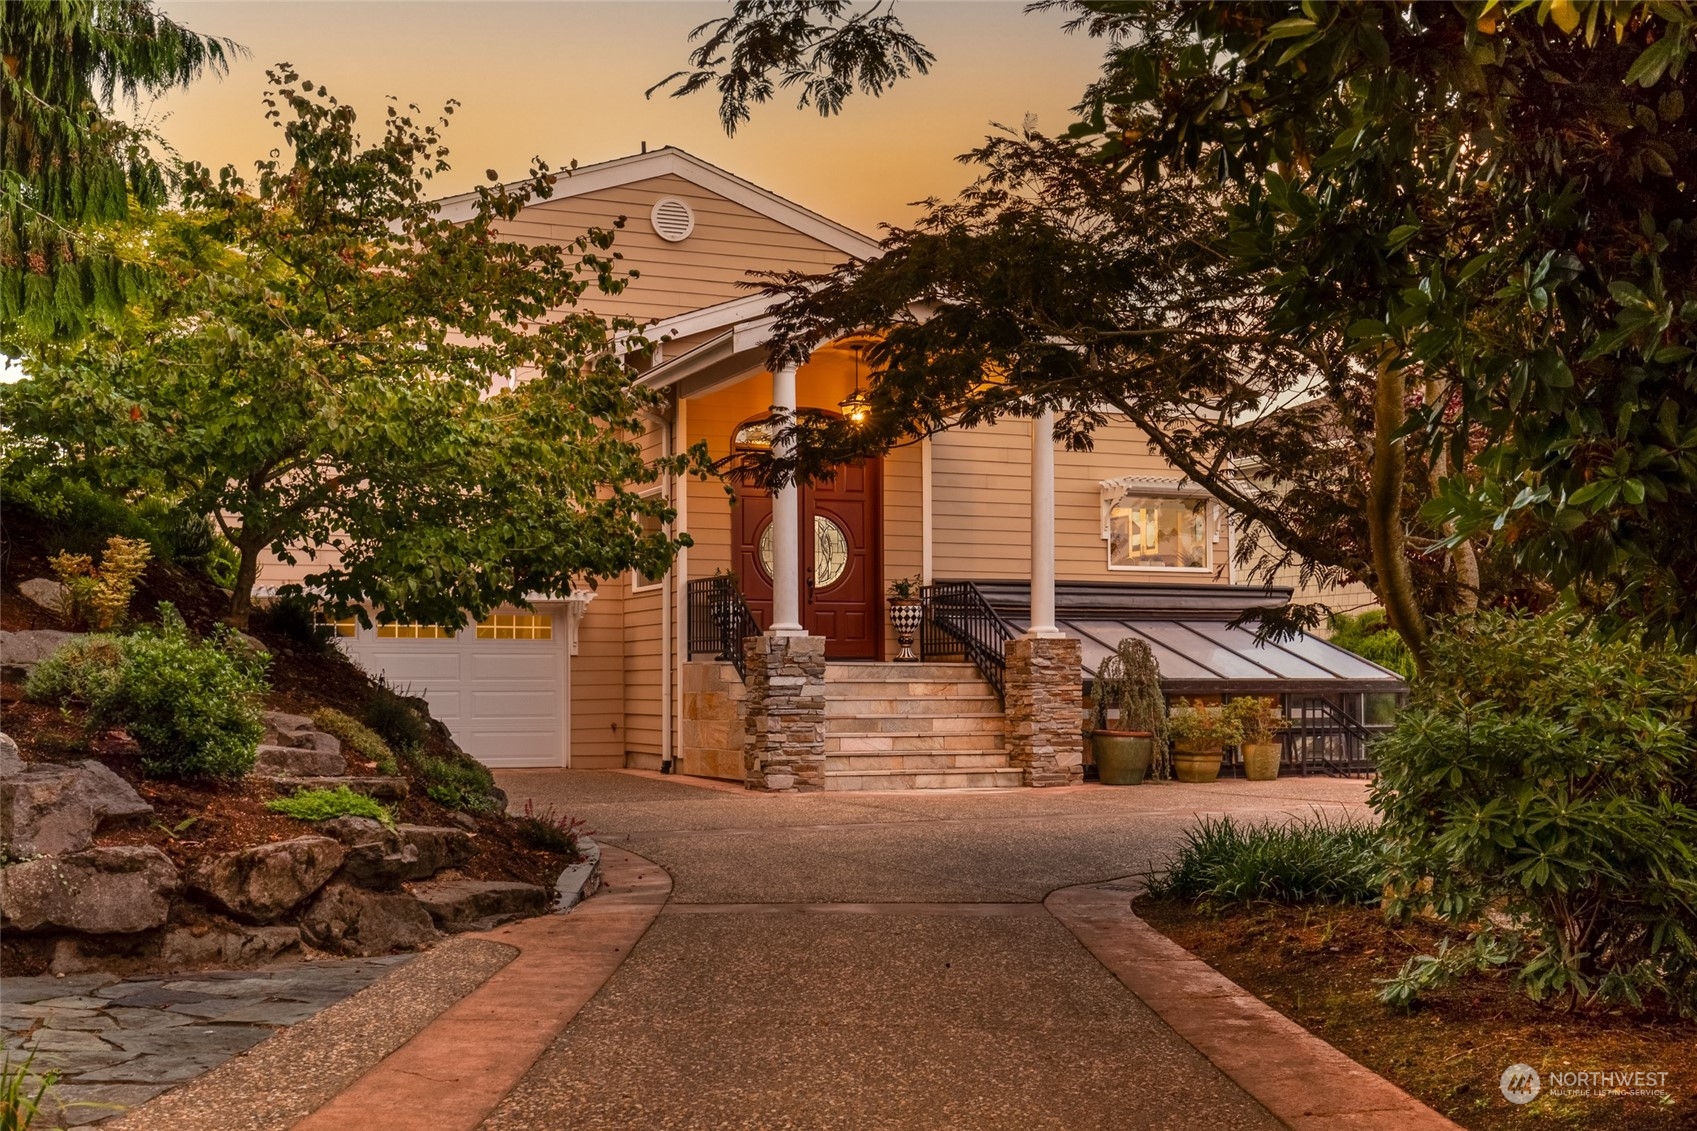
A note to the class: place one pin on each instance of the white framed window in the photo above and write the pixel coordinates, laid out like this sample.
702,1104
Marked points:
516,626
640,582
1153,524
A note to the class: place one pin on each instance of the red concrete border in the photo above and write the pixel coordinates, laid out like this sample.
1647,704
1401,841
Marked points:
454,1071
1303,1081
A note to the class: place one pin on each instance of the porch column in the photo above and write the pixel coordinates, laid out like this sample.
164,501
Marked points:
786,525
1044,701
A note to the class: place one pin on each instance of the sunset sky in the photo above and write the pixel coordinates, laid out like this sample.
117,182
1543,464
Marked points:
566,80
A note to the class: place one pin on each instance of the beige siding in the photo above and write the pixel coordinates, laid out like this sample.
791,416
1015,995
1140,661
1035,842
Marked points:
981,504
729,241
598,682
644,653
903,535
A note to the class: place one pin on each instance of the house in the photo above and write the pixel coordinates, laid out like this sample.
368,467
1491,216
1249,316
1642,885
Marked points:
1037,560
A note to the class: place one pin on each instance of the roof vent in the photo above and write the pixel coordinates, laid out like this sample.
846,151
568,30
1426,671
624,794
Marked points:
673,220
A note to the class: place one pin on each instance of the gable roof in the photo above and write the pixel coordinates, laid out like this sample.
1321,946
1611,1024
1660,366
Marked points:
671,160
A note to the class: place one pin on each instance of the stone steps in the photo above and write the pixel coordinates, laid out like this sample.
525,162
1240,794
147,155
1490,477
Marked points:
949,777
917,760
913,726
894,703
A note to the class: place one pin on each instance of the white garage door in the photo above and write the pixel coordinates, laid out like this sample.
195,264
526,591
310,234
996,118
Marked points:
500,686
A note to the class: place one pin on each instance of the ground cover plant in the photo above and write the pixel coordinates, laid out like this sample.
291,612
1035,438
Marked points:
357,739
1540,798
1317,859
546,829
328,804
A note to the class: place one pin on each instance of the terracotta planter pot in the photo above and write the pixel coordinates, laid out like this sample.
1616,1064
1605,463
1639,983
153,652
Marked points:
1197,764
1261,760
1122,756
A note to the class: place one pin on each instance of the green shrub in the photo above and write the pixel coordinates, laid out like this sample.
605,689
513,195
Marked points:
457,783
1371,637
1310,860
193,707
327,804
393,718
357,738
1541,793
547,830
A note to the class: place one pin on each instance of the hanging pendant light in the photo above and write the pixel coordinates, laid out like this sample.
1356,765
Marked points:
856,407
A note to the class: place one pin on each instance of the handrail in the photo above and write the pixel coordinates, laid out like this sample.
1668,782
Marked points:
719,621
960,622
1326,738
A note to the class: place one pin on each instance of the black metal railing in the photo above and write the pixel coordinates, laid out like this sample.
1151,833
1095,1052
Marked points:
960,622
1324,738
719,621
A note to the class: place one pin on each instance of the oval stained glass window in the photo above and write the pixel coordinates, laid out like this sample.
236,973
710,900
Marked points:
830,551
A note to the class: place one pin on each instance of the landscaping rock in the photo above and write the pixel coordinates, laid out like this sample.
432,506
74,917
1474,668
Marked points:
10,762
297,730
113,800
464,820
377,857
183,948
43,591
475,905
438,848
23,650
263,883
383,789
299,761
44,811
350,920
100,890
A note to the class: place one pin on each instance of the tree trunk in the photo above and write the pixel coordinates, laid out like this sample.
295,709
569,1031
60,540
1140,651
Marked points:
1462,559
1384,511
241,599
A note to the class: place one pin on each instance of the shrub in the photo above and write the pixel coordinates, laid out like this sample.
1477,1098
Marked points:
392,717
1371,637
100,598
1203,725
356,738
327,804
1543,785
548,830
193,707
456,782
1310,860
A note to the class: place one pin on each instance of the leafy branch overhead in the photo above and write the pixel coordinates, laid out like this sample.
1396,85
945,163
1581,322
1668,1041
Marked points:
408,403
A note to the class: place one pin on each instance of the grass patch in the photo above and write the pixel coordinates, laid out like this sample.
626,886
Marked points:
1309,860
357,738
327,804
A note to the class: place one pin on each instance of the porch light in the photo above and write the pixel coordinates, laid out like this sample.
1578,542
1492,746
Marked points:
856,407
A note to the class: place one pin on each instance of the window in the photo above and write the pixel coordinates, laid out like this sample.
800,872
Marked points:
516,626
347,627
413,632
1152,531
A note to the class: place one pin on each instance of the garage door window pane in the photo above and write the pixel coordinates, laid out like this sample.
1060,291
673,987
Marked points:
412,632
516,626
347,627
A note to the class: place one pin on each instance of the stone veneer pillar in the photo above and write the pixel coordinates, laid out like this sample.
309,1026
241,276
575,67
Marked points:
785,713
1044,708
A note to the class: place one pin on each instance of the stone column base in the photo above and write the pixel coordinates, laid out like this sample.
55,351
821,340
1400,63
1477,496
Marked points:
1044,707
785,713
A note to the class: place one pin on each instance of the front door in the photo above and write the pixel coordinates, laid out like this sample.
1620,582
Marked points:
840,555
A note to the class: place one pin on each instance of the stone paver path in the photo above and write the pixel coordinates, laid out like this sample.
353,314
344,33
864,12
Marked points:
881,960
119,1042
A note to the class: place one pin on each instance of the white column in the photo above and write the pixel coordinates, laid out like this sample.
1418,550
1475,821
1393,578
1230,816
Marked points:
1043,525
786,525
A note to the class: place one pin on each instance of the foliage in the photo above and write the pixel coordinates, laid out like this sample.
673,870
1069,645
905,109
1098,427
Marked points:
357,739
904,588
395,720
1309,860
547,830
1128,682
193,707
69,166
296,618
1195,723
99,599
337,365
23,1093
824,47
328,804
1544,779
456,781
1259,718
1369,636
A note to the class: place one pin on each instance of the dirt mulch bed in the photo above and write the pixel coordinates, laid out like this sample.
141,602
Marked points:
1320,966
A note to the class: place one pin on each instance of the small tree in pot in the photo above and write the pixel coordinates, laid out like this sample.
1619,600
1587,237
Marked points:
1261,721
1131,730
1200,736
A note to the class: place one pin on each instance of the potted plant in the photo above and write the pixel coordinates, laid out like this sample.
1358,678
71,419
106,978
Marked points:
1261,720
1131,715
907,612
1200,735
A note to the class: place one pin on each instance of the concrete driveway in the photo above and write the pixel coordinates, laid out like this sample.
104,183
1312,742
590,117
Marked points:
881,960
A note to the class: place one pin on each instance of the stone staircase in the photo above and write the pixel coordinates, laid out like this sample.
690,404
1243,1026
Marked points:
913,726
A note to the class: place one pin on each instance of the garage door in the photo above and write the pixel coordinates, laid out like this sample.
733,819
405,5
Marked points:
499,686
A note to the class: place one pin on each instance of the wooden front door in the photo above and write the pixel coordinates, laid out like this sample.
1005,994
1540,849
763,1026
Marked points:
840,556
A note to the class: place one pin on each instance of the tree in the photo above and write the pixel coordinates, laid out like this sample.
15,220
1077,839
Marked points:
1484,215
335,367
68,165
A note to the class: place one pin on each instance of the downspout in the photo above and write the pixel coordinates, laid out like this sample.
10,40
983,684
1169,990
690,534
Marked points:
925,561
667,765
680,571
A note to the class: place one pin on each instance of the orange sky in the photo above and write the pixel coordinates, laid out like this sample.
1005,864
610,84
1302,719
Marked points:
565,80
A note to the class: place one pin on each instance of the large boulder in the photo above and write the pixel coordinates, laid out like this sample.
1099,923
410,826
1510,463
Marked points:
10,760
184,947
263,883
44,591
113,800
282,729
23,650
477,905
44,811
299,762
377,857
115,890
438,848
350,920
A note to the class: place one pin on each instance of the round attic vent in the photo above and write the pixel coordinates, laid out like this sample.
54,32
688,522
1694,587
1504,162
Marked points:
673,219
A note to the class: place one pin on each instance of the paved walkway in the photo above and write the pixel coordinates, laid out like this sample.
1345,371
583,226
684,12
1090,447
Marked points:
880,960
